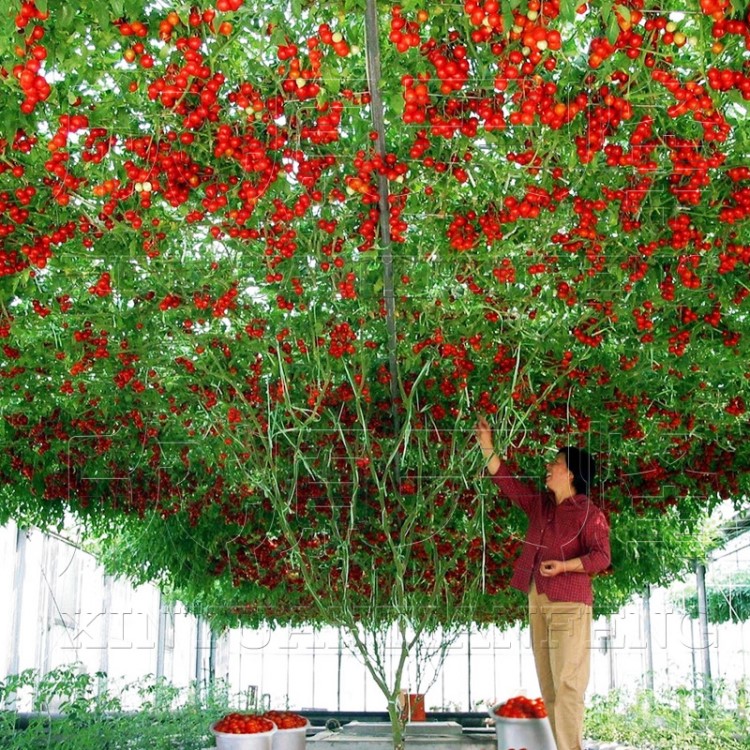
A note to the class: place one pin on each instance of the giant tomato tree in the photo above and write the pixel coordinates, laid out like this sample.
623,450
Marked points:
262,264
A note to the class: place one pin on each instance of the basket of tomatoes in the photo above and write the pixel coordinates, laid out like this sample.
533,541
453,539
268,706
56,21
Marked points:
522,722
291,730
237,731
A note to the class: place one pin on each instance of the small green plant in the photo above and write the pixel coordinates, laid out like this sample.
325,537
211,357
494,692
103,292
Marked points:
77,711
674,718
73,710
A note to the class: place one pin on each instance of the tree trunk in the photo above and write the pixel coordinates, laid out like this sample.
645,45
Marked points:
397,723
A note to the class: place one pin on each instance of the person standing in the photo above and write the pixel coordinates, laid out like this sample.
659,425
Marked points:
567,543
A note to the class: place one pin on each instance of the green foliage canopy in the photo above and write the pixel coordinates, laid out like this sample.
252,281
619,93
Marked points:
246,333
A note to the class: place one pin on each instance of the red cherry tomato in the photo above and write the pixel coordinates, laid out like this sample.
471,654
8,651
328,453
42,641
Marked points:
521,707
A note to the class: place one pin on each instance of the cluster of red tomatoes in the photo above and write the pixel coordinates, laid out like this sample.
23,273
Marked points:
286,719
521,707
33,83
238,723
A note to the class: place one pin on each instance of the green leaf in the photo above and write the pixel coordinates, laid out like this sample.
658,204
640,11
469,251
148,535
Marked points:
133,8
276,17
567,11
396,102
278,36
6,33
38,484
64,18
102,12
507,17
11,120
331,80
613,28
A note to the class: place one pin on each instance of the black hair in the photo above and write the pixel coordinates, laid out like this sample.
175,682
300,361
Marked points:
583,467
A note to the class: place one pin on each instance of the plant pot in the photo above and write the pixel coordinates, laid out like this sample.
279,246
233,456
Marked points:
412,706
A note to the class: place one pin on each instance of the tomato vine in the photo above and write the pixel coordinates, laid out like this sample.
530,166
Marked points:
203,358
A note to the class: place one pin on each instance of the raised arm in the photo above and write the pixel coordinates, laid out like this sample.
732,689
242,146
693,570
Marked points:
522,494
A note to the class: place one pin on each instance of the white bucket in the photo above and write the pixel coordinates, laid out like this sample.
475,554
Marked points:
515,734
291,739
256,741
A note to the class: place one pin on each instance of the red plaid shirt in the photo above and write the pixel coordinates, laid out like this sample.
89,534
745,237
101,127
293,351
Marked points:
574,528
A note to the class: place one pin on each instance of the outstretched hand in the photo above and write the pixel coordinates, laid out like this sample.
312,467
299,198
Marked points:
483,432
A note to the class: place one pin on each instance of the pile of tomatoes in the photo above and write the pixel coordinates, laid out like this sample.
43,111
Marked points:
237,723
286,719
521,707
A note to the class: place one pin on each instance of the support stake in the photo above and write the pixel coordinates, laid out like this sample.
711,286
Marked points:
374,77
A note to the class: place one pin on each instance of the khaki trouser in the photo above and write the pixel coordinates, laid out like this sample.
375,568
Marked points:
561,641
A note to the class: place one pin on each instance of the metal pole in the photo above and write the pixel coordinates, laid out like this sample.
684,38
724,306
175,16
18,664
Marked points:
212,658
46,605
374,69
199,649
314,651
647,634
611,654
289,666
14,663
520,657
442,688
700,580
161,638
468,665
339,655
107,609
692,657
494,661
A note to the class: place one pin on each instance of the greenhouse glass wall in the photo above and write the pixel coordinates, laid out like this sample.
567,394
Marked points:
64,610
